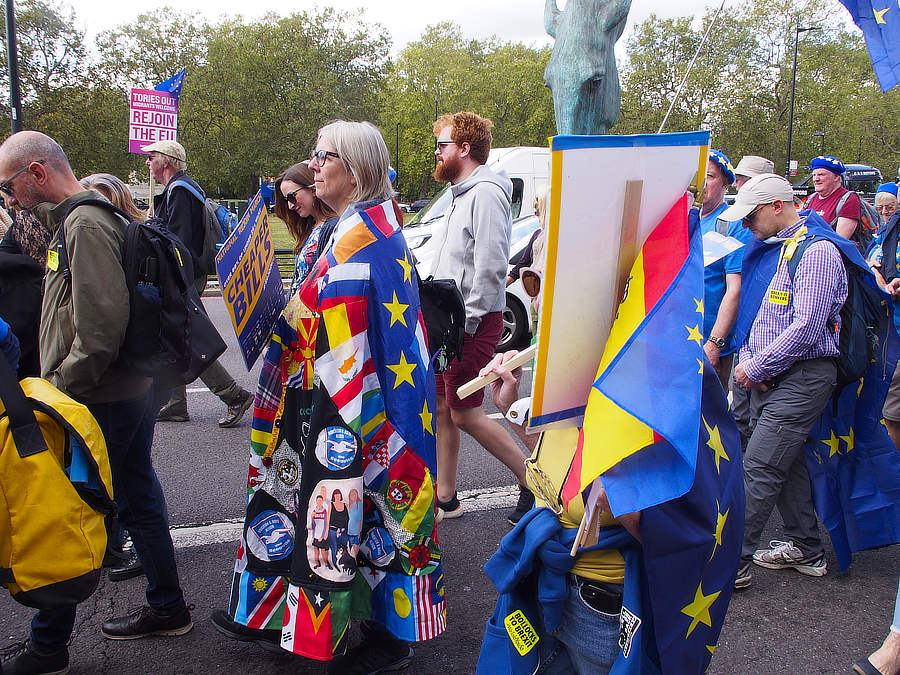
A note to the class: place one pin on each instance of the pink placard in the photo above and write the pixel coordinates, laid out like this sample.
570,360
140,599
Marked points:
153,117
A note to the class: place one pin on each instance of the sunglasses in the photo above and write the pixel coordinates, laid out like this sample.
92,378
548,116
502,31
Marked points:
291,197
321,156
6,186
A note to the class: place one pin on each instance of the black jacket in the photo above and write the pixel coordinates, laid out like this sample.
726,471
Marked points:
182,213
21,280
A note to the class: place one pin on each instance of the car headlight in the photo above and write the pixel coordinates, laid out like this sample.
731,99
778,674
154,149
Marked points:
416,242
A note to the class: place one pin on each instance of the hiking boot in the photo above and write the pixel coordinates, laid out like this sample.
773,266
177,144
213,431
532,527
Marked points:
21,659
525,504
236,411
744,577
782,555
268,639
379,652
130,568
173,413
449,509
145,621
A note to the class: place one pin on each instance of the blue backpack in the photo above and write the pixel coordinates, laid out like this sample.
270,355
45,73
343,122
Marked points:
217,225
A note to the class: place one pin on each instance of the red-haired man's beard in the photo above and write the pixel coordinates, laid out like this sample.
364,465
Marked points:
448,169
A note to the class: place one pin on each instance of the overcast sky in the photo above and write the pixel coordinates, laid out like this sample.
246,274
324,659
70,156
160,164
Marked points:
510,20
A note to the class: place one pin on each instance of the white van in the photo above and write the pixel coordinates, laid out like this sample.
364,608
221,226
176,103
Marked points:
529,170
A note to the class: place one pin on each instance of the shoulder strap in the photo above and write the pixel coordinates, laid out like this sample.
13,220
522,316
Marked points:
61,251
798,253
840,205
198,193
22,423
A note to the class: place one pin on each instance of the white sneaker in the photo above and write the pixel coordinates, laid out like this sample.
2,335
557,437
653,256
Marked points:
782,555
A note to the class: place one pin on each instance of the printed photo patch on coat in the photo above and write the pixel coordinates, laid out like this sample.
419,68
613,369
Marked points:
336,448
271,536
334,518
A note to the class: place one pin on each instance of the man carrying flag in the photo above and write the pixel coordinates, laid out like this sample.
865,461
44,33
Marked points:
787,361
648,589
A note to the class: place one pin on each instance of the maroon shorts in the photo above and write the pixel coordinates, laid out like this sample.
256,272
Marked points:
478,350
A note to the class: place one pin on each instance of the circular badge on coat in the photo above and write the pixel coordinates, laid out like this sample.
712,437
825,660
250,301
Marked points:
270,536
288,473
377,546
336,448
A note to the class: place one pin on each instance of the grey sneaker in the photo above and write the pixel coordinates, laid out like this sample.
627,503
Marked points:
782,555
236,411
449,509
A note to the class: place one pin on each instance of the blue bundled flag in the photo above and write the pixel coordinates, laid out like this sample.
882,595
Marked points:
879,20
173,84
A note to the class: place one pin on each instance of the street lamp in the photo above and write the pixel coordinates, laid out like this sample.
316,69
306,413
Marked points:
821,135
797,31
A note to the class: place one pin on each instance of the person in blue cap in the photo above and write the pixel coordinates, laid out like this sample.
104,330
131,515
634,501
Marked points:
838,206
886,201
722,279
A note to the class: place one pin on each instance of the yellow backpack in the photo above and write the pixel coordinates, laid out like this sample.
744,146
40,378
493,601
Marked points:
55,488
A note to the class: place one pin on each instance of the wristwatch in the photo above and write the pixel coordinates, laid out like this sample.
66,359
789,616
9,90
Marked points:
717,341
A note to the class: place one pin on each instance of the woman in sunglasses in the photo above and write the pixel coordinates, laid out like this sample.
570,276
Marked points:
304,214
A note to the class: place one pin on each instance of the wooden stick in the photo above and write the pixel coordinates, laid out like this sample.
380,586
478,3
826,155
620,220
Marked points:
479,383
628,244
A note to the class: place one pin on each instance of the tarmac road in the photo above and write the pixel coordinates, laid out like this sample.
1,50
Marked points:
785,622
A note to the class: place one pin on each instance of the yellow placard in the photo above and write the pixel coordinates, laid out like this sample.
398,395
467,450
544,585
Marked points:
523,635
778,297
52,259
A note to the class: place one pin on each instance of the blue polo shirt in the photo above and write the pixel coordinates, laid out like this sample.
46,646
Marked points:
714,275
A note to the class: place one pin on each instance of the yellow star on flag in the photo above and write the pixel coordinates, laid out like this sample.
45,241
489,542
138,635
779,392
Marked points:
426,418
711,648
700,372
698,610
699,304
715,444
849,440
834,444
862,380
694,334
396,309
403,371
879,14
407,268
720,526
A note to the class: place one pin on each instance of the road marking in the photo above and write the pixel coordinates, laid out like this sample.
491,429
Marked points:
205,534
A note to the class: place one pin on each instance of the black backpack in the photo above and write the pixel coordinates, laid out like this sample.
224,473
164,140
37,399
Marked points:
444,313
865,318
169,335
217,224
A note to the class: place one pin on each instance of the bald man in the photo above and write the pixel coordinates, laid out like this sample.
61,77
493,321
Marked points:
83,320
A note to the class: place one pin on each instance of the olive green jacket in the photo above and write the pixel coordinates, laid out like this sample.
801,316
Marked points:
83,318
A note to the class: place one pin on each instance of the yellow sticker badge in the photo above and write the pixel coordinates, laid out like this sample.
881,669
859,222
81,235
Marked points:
52,259
778,297
522,634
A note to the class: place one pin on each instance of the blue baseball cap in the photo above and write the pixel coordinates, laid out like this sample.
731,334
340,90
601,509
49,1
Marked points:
724,163
890,188
392,175
833,164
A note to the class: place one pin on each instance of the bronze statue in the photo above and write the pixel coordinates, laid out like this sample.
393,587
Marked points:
582,71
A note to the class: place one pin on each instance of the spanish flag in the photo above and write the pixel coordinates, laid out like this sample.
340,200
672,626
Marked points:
640,427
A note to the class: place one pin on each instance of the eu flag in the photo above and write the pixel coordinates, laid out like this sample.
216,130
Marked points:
879,21
173,84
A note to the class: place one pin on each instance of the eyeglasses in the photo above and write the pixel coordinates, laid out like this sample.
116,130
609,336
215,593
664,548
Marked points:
6,186
321,156
291,197
442,144
750,217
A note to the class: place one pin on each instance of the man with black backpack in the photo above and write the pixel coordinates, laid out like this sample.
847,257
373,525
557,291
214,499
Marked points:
182,208
84,318
789,361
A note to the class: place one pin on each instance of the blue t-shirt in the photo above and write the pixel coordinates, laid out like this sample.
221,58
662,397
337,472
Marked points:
356,514
714,275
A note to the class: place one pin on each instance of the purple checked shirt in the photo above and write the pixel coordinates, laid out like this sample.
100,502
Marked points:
799,320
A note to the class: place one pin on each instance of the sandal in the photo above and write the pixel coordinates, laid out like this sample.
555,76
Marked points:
865,667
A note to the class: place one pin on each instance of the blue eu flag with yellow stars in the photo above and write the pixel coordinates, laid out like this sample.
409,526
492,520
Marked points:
879,20
173,84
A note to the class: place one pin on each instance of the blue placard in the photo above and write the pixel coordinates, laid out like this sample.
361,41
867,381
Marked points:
250,280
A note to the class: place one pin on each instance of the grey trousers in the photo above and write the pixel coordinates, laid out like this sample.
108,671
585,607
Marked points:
740,409
218,380
775,471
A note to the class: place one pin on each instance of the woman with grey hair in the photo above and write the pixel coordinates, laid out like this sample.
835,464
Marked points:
357,416
118,194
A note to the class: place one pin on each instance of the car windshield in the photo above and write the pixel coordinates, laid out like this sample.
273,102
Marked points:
436,208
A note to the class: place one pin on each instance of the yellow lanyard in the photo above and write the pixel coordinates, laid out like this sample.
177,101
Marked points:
789,247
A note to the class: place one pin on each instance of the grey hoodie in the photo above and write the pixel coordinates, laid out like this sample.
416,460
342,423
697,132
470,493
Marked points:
475,250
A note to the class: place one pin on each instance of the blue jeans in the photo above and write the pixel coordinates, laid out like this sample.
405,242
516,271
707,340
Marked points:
128,429
586,641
